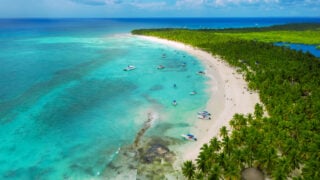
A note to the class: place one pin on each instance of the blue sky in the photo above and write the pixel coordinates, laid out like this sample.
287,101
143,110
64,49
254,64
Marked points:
154,8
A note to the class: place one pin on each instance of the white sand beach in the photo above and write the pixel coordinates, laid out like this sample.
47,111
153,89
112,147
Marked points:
228,96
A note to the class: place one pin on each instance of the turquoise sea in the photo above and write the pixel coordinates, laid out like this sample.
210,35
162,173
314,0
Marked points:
67,108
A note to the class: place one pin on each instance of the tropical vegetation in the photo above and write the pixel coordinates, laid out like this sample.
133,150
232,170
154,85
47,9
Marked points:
292,33
285,143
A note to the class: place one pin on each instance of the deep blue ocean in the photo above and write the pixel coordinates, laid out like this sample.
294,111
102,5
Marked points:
67,108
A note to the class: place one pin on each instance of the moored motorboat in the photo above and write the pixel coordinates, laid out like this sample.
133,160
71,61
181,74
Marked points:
160,67
204,115
189,137
129,68
174,102
193,92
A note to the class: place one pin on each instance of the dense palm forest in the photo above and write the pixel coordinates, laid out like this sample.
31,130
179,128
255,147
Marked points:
286,143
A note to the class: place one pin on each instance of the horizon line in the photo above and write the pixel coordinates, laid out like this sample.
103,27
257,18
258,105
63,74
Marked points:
190,17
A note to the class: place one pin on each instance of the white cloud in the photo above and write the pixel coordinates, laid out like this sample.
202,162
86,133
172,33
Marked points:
192,3
137,4
90,2
312,2
149,5
113,2
237,2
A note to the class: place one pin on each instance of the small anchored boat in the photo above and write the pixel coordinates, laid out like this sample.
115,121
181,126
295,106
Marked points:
160,67
174,102
129,68
189,137
193,92
204,115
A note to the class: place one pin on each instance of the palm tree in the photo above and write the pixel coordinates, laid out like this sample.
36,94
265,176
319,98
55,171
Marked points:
311,169
250,119
258,111
215,144
238,121
247,157
205,159
223,132
202,162
231,171
188,169
281,169
238,158
294,158
226,142
239,136
267,157
215,173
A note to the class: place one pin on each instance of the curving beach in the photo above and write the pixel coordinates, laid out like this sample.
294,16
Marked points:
228,92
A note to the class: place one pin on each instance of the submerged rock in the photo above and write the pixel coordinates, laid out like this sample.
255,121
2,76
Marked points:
130,154
156,151
156,87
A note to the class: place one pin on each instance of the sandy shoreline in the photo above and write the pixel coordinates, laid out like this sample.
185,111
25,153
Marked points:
228,95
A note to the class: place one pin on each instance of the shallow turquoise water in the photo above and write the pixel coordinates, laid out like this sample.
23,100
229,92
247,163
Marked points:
67,106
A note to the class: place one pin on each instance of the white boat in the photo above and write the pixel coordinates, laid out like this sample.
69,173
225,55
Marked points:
204,113
206,117
189,137
160,67
193,93
129,68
